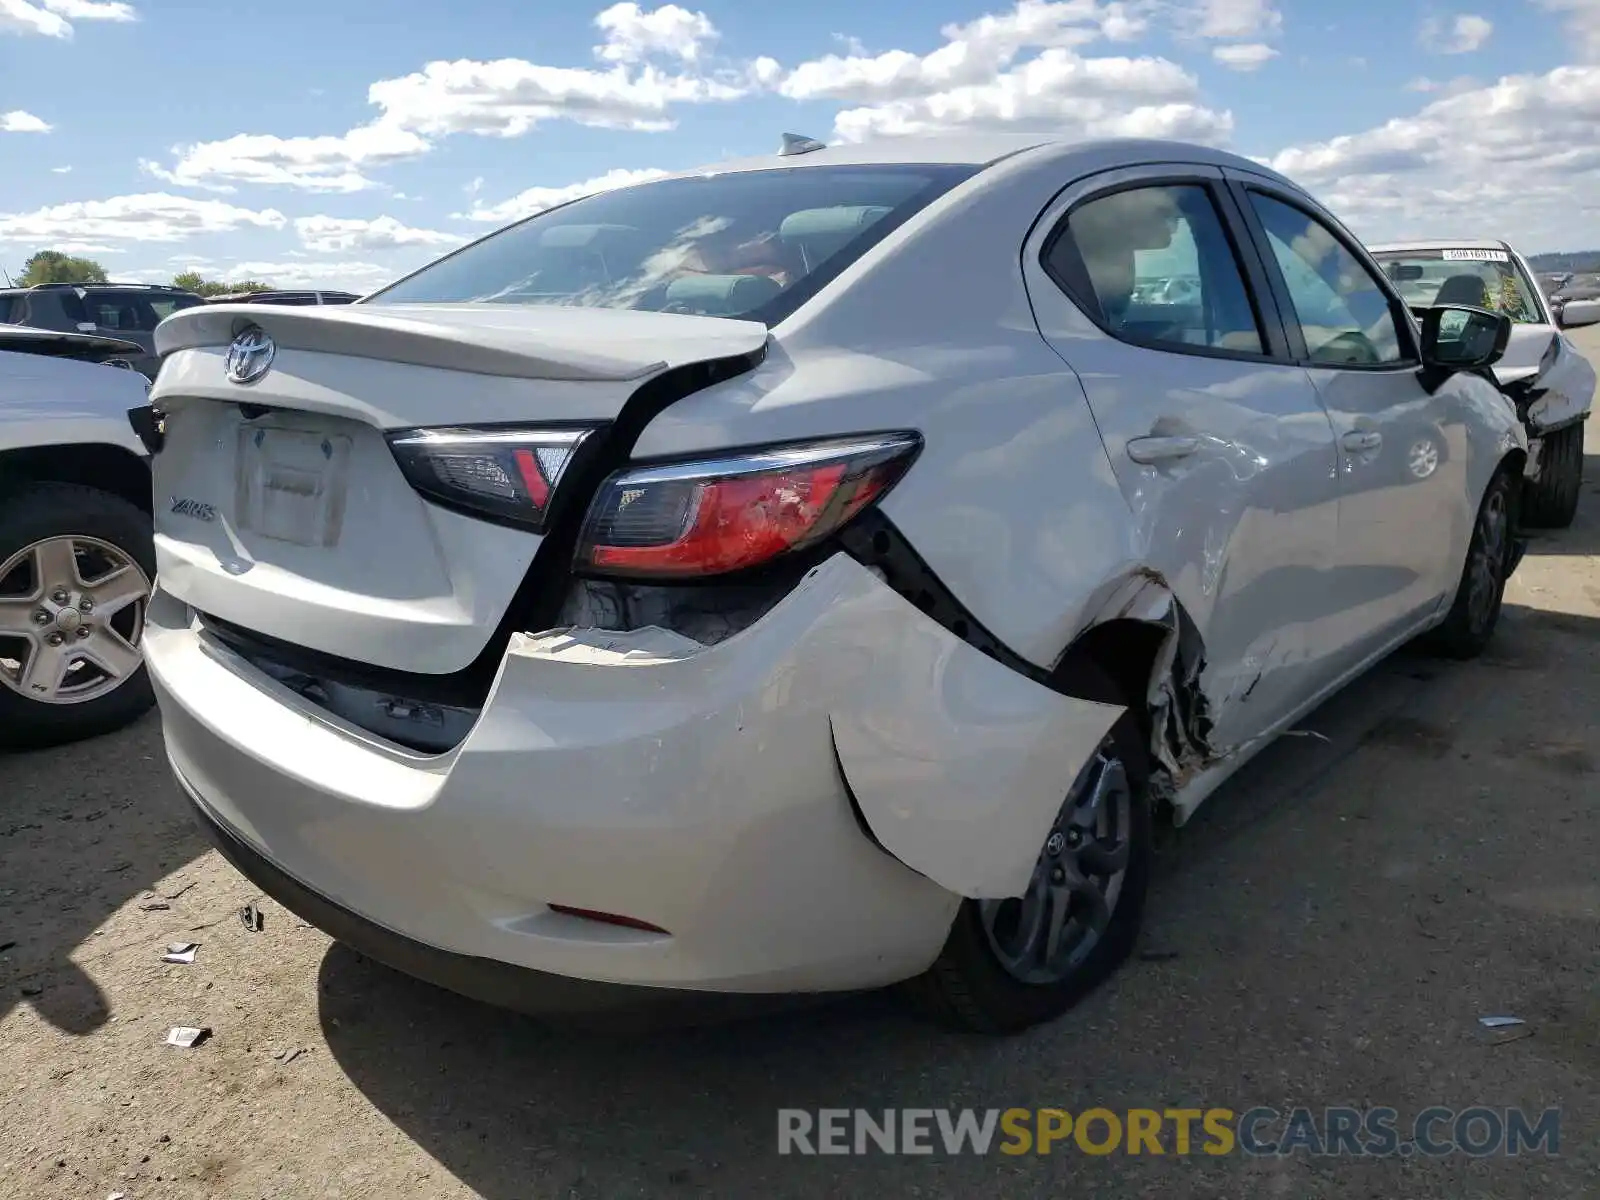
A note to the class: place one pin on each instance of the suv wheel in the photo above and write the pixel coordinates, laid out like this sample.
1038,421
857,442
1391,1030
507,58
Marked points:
1551,501
75,572
1012,964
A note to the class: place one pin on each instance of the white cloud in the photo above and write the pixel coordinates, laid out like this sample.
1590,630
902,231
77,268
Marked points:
1461,35
506,97
1245,56
537,199
53,18
1447,87
337,235
352,276
1514,159
632,34
1583,21
60,170
981,79
318,164
152,217
1235,19
18,121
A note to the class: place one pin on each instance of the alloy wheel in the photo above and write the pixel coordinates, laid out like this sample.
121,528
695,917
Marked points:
1489,553
72,614
1044,936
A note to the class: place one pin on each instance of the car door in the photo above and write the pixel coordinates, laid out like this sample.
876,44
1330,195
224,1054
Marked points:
1217,437
1402,450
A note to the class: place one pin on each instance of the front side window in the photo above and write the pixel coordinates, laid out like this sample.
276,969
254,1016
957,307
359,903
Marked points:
1482,278
1343,312
749,244
1161,269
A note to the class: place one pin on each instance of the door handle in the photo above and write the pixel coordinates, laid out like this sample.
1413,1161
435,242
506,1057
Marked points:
1359,441
1149,450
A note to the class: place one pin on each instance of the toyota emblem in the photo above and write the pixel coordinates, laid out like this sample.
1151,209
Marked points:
250,355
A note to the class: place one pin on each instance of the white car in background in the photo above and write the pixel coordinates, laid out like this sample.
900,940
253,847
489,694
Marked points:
76,558
1550,380
806,574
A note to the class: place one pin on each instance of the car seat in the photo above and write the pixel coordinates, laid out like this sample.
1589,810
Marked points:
1462,289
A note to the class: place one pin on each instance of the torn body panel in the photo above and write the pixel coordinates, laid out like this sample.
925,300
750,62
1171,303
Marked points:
1550,392
1178,708
957,764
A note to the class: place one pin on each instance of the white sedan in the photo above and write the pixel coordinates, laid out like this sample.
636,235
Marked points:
76,558
808,574
1543,371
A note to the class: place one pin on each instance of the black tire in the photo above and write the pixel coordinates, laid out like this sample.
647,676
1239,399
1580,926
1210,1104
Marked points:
1551,501
1471,623
968,988
34,512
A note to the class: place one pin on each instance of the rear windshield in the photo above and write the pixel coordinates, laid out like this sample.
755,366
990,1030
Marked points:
134,312
748,244
1484,278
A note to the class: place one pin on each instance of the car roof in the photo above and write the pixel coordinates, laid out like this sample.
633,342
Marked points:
984,149
1442,244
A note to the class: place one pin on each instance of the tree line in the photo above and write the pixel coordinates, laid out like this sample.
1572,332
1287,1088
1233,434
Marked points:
52,266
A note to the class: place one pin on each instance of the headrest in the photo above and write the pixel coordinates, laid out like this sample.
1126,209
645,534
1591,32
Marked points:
577,237
722,295
819,222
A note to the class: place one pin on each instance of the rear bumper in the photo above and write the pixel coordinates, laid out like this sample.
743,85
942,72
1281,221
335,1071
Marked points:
502,984
796,809
699,794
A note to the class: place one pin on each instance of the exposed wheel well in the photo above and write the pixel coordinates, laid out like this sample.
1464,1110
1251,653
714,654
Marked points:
97,465
1113,663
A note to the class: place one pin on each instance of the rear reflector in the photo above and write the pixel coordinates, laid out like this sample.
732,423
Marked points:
505,475
714,517
589,914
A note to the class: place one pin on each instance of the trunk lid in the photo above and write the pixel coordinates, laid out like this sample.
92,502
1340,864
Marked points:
280,508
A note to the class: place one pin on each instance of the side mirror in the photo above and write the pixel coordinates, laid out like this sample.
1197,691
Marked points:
1458,337
1577,313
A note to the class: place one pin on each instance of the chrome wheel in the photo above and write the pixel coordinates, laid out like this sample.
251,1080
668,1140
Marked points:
1043,937
72,613
1486,569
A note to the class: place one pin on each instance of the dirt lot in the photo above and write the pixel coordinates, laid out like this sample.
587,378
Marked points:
1327,932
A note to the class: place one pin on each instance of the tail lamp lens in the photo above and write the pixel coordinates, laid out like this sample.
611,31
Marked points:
506,474
714,517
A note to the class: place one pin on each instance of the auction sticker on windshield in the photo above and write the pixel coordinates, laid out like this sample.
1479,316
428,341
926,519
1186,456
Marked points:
1476,256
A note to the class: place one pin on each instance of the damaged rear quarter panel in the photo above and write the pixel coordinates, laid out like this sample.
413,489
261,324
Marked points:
958,764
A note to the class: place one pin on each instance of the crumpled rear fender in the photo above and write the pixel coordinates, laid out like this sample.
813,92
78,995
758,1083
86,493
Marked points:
956,764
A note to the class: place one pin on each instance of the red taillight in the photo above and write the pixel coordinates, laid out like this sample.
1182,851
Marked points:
506,474
714,517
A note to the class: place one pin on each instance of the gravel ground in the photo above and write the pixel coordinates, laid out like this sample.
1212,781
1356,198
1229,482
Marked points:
1326,932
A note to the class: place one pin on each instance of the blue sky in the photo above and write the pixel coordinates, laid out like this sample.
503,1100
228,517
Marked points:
341,143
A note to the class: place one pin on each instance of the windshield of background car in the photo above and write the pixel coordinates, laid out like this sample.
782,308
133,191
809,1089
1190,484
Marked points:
1483,278
134,312
746,244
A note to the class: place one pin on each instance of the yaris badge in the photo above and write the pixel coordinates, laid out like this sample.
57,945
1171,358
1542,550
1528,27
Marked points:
250,355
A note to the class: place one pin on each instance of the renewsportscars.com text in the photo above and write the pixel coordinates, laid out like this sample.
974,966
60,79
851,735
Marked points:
1367,1133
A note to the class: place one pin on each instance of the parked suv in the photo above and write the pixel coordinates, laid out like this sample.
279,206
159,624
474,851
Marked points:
293,299
127,311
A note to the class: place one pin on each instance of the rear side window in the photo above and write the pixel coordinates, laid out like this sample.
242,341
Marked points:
1157,267
748,244
133,312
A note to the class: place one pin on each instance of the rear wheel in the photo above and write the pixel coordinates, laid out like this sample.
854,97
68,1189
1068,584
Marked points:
1011,964
75,571
1476,611
1551,501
